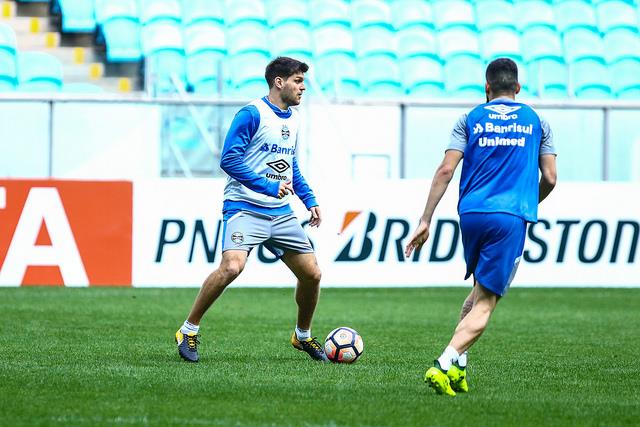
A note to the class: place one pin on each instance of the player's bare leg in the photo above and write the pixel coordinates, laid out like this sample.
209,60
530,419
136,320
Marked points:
458,372
232,264
474,323
305,267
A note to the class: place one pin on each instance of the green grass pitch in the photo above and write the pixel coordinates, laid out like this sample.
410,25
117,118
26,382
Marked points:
99,357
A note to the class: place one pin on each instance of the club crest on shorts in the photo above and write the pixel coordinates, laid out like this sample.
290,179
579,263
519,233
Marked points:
285,132
237,237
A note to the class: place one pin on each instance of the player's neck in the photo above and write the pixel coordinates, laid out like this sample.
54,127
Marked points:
493,96
277,101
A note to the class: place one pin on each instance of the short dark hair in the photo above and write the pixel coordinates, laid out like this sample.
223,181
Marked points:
502,75
284,67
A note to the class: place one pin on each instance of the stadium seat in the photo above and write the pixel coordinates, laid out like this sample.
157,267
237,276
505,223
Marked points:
194,11
292,39
238,11
494,13
498,42
330,39
408,13
548,77
626,78
621,43
380,76
614,14
580,43
330,12
417,40
204,35
458,40
120,28
77,15
248,36
533,13
337,75
287,11
161,35
448,13
422,76
374,40
205,50
590,79
247,73
157,10
574,14
163,48
464,73
540,42
39,72
7,56
370,12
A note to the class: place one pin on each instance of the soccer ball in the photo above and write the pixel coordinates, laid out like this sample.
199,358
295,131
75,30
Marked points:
343,345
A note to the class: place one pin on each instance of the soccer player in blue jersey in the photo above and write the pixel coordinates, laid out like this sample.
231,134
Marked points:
259,155
509,167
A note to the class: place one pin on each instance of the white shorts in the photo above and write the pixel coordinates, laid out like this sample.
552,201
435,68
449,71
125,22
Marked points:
246,230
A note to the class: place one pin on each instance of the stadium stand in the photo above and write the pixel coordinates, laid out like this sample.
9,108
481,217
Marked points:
355,48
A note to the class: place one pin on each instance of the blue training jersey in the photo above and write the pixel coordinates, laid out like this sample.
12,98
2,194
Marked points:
500,167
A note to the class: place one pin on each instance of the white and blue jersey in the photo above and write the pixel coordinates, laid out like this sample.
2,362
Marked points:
259,152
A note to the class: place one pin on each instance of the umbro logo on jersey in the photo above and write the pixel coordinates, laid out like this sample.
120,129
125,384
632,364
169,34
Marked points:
503,109
285,132
279,165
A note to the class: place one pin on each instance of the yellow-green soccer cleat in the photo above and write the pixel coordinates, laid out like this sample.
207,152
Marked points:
458,378
311,346
188,346
438,380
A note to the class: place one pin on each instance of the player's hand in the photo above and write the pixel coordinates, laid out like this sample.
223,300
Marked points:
316,217
417,240
285,188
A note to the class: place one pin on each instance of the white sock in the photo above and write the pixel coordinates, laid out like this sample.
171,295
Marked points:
449,355
188,327
462,360
303,334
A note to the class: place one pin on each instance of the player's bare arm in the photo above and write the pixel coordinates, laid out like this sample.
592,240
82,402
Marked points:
548,175
439,185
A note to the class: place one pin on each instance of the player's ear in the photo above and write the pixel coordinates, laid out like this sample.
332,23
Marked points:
518,88
487,90
278,82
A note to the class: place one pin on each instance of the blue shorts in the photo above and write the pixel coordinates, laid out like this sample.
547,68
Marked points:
493,244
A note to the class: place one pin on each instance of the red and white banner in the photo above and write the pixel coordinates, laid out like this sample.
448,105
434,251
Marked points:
169,233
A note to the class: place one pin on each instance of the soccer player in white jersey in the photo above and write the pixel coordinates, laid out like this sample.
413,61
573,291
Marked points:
506,146
259,155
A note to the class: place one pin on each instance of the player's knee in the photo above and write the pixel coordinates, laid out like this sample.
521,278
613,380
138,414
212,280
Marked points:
232,269
314,276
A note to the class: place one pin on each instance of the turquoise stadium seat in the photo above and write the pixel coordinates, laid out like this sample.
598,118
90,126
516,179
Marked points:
119,25
161,35
374,40
539,42
370,12
337,75
621,43
205,49
39,72
464,76
194,11
330,12
574,14
614,14
494,13
581,43
498,42
82,88
422,76
526,91
163,48
448,13
330,39
248,36
77,15
408,13
590,79
8,73
626,78
380,76
548,77
458,40
292,39
287,11
417,40
238,11
246,77
533,13
157,10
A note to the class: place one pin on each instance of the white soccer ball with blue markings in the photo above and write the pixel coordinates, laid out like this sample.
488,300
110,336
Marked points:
343,345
